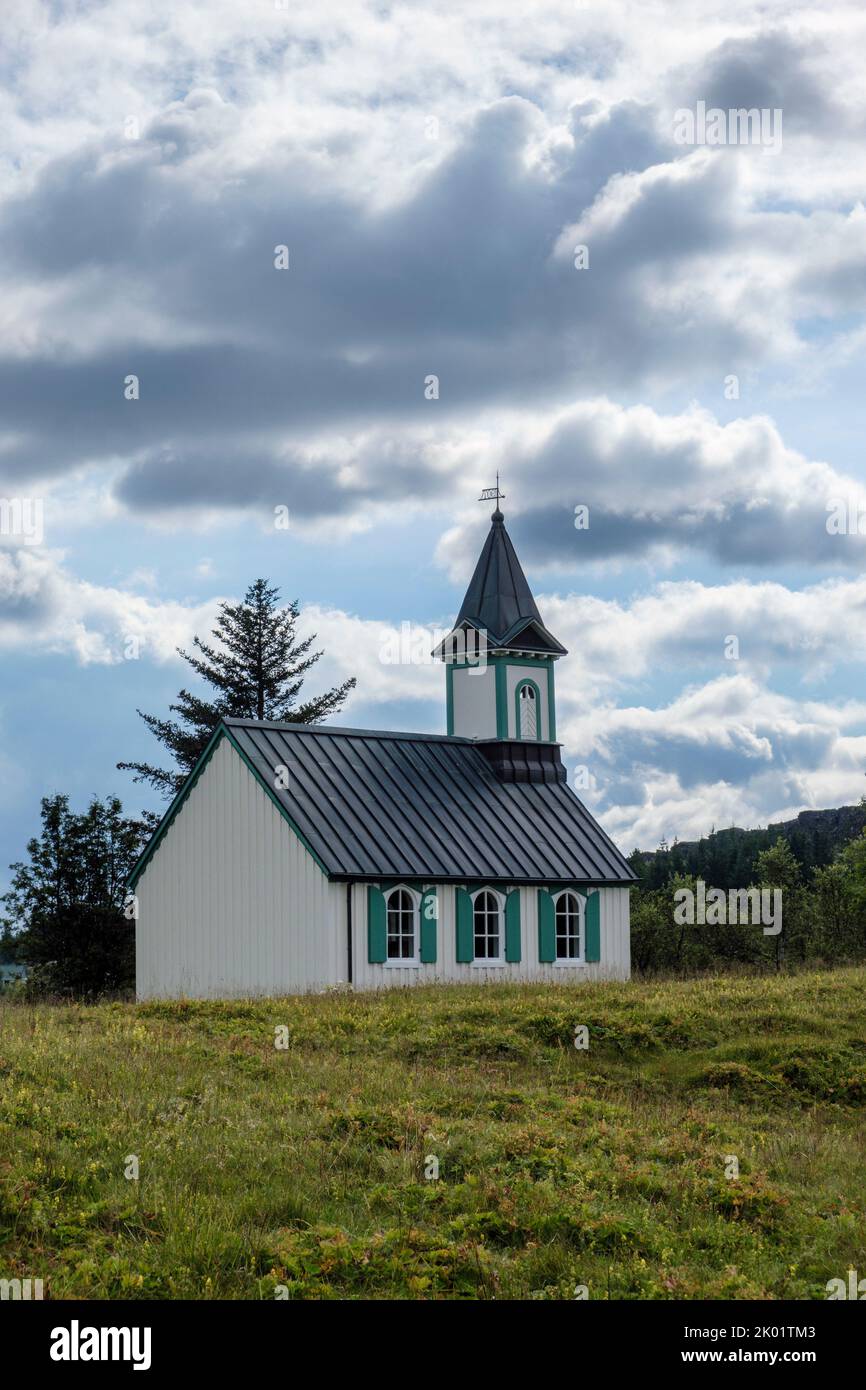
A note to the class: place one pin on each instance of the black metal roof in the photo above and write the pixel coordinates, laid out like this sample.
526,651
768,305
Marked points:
499,600
372,804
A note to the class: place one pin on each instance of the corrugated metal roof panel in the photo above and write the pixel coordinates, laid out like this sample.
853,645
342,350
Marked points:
389,805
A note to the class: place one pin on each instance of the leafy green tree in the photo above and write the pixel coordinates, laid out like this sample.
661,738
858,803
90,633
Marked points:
66,903
9,945
256,671
843,894
777,867
823,897
834,933
853,858
650,931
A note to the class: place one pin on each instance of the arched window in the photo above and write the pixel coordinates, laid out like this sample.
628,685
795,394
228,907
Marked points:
487,926
527,710
569,927
402,925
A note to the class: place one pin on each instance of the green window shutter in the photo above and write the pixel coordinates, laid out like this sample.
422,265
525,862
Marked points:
429,918
377,944
512,927
546,928
592,926
465,928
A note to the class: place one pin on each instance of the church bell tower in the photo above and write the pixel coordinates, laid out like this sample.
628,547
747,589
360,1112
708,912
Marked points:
499,661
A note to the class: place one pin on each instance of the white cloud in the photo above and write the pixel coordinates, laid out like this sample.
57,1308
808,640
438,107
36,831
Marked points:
731,752
391,664
681,627
44,608
658,487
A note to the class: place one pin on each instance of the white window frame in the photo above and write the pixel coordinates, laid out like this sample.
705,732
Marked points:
570,962
533,696
405,962
494,962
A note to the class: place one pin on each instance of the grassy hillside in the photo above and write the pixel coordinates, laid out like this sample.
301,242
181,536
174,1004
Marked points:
305,1167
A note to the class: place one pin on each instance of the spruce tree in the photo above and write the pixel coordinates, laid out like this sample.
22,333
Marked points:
256,672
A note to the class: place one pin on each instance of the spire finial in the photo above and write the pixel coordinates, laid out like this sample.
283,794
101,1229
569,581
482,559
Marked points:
490,494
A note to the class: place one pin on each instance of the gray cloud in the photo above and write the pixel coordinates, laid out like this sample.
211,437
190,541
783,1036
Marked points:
658,486
754,534
461,280
256,382
769,70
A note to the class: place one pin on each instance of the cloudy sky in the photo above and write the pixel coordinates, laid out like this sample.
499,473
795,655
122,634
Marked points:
432,168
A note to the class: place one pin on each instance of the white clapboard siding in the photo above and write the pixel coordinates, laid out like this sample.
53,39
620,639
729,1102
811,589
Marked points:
232,904
615,963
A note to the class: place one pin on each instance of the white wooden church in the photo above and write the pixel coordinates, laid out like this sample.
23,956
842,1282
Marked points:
298,857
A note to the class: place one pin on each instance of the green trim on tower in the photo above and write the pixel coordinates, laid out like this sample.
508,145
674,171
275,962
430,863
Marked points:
525,680
551,706
544,663
500,664
504,659
500,676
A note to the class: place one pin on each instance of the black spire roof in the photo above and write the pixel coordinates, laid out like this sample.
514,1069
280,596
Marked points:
499,600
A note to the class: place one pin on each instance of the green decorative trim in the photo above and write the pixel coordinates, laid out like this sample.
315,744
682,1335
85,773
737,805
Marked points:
464,928
500,675
156,839
538,730
592,927
520,661
512,927
427,929
546,928
551,706
377,932
500,666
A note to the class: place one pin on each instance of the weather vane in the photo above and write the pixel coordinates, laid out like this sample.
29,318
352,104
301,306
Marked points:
490,494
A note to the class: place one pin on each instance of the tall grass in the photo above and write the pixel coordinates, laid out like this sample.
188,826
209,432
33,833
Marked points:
305,1171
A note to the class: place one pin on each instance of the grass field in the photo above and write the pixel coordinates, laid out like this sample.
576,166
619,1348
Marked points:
304,1167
